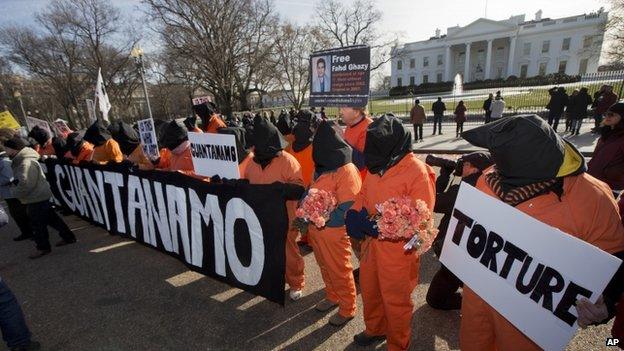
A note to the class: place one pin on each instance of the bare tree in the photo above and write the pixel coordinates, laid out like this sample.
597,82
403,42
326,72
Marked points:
615,31
356,24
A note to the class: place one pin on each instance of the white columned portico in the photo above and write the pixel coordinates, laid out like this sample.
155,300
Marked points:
447,64
467,63
512,52
488,59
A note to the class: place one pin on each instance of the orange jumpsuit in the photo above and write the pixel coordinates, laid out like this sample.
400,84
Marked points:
290,138
284,168
242,167
332,248
304,157
85,154
215,124
165,159
587,211
389,274
109,152
47,150
139,158
356,137
196,130
182,162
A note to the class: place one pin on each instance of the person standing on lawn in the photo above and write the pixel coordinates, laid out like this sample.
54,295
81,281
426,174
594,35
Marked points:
438,109
460,117
487,104
418,117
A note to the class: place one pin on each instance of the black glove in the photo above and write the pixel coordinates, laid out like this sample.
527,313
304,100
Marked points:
216,179
291,191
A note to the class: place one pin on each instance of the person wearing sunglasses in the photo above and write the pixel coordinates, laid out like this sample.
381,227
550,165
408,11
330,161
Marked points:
607,163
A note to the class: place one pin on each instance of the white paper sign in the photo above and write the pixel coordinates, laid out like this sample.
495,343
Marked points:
149,143
32,121
202,99
214,154
495,241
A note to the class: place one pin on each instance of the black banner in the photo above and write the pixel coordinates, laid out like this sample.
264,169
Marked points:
225,231
340,77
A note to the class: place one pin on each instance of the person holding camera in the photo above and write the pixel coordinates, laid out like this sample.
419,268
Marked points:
442,293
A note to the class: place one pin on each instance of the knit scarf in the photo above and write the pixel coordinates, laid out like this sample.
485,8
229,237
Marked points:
518,195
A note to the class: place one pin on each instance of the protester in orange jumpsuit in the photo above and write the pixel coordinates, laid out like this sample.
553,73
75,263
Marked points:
301,147
130,144
332,249
388,273
542,175
105,149
78,150
245,156
355,134
211,122
175,139
191,124
44,141
270,164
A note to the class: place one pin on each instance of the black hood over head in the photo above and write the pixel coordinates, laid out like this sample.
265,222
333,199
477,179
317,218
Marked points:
60,147
524,148
159,129
387,142
329,150
40,135
241,142
283,123
174,134
268,141
303,131
126,136
205,112
75,142
97,134
190,123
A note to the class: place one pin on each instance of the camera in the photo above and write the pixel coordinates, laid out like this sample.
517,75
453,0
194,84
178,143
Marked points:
455,167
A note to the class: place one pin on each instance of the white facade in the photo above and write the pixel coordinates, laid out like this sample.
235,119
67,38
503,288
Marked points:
499,49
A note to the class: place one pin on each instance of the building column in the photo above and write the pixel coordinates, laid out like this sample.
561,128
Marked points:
512,52
488,59
467,64
447,64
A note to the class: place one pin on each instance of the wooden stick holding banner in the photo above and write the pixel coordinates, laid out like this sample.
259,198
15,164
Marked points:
214,154
492,247
149,143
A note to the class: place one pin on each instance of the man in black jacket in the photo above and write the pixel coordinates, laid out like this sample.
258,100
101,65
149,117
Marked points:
442,292
556,105
438,108
487,104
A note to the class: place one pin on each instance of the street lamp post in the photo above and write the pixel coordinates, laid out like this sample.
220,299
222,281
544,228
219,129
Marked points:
137,54
18,96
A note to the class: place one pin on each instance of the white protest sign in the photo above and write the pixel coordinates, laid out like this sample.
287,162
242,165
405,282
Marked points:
149,143
32,122
214,154
528,271
202,99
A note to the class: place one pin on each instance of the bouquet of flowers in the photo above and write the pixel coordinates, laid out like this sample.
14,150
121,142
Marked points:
315,208
399,219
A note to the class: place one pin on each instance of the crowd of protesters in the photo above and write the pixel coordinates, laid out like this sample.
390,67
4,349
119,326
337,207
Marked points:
527,165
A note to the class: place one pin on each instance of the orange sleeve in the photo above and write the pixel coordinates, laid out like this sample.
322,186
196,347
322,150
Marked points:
361,200
291,170
423,185
349,184
113,151
165,159
86,153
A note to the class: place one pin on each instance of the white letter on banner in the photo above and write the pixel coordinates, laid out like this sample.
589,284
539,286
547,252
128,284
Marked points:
75,190
176,204
102,197
86,200
60,174
116,181
157,213
136,201
206,212
237,208
92,188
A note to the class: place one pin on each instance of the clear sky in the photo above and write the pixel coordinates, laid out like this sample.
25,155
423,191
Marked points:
412,19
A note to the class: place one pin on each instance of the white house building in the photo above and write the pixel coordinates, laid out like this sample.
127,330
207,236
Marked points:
499,49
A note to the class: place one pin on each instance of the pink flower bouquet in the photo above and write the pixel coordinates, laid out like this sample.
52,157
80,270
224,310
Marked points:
315,208
401,219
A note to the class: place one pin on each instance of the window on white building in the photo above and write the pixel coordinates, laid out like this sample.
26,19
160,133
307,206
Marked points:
523,71
425,79
583,66
412,63
440,60
546,46
565,46
587,41
425,61
399,81
542,69
412,80
562,67
526,51
399,64
439,77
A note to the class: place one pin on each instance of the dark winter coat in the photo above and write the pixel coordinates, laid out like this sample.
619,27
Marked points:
607,164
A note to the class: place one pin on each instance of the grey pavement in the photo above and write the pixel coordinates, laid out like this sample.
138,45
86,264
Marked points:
119,299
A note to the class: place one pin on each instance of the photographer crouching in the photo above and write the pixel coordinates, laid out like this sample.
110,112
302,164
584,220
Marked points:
443,294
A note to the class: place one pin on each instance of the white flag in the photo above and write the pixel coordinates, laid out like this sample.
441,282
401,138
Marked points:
101,96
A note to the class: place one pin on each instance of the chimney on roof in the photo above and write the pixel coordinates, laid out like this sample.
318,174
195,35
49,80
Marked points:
437,33
538,15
